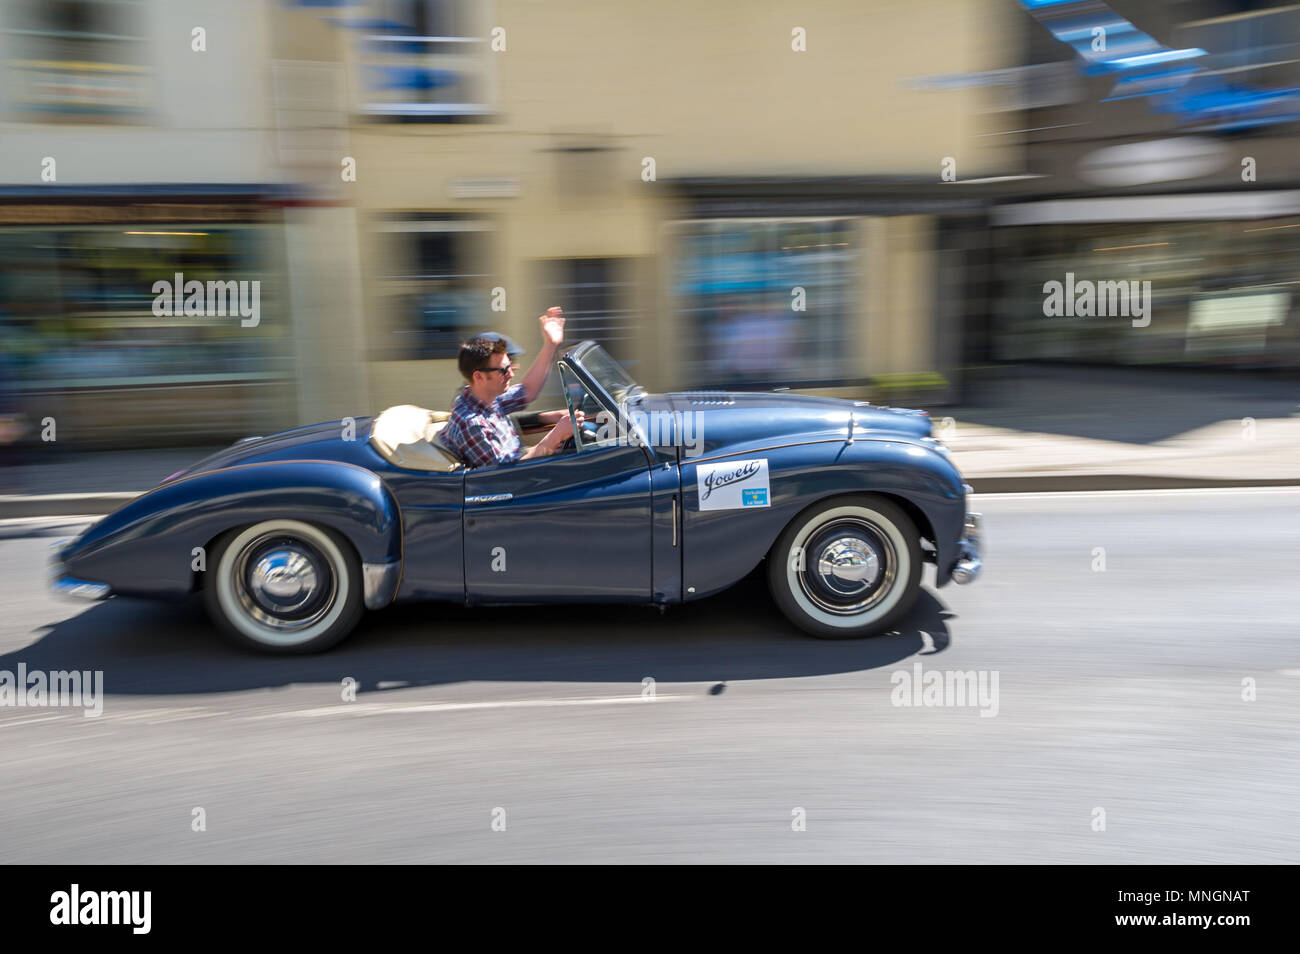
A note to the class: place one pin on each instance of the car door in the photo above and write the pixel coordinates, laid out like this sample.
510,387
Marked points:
573,527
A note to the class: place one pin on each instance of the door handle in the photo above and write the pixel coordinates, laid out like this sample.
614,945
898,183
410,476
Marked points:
674,520
489,498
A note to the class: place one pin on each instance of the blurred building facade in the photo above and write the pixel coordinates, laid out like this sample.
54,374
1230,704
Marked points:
1165,151
724,195
135,149
857,200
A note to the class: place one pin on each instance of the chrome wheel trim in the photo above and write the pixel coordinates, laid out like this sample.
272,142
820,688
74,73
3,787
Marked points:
887,590
242,610
283,583
849,563
855,567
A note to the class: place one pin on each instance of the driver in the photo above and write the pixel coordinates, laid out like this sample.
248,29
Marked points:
479,429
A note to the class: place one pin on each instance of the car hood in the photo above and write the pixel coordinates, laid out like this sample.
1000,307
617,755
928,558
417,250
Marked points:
715,420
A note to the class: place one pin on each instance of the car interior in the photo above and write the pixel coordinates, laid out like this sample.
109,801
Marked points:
408,436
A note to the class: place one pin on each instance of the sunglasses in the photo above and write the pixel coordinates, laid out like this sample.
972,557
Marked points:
504,371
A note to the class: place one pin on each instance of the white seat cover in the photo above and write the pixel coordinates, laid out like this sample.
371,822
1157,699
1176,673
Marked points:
406,435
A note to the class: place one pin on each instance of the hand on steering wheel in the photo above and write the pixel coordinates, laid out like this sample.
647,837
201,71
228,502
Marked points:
588,430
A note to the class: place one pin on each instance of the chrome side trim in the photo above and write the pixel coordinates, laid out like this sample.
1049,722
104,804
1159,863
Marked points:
674,520
380,582
489,498
900,438
760,450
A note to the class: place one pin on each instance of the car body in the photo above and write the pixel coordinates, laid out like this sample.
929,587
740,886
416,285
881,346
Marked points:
660,499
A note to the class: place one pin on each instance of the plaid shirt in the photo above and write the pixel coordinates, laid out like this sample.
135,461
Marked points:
481,433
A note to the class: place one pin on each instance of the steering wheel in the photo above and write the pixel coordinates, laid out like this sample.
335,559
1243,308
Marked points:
590,433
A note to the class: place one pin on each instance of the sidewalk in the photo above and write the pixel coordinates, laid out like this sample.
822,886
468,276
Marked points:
1000,460
1032,430
1053,428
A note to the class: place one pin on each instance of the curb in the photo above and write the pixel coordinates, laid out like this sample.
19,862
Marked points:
76,505
1061,483
62,505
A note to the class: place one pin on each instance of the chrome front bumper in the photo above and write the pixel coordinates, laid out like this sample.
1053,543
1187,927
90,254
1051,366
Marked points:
969,549
64,585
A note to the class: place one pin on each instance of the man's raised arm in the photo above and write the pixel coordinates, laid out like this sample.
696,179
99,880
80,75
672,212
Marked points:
552,334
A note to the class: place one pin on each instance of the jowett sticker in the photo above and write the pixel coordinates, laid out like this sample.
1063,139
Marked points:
733,485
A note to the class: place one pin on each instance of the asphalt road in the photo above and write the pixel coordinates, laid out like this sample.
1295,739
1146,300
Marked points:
1118,690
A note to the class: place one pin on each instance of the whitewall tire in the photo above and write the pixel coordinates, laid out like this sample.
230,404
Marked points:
284,586
847,568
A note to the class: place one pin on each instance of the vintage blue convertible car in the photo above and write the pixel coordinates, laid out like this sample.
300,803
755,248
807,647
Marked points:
659,499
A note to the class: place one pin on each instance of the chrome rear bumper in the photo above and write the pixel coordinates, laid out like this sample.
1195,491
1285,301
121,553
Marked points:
61,584
970,548
380,581
80,589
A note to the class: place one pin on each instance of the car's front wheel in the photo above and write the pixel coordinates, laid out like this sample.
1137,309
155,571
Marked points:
284,586
846,568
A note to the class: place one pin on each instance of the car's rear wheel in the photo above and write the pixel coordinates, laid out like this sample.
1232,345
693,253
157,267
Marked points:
847,568
284,586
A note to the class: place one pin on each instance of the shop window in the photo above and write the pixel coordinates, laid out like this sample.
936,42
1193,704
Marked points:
1221,293
765,302
77,306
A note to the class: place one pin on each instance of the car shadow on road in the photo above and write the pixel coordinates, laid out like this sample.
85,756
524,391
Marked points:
156,649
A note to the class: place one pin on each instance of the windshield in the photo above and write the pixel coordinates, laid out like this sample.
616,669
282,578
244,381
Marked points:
605,371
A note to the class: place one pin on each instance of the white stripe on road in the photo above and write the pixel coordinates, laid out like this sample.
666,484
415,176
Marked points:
74,521
161,716
12,722
148,716
183,718
1062,494
53,741
381,708
153,715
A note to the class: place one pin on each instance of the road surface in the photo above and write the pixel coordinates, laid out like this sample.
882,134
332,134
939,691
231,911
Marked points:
1145,645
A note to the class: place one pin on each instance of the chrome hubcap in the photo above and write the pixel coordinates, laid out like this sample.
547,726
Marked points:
855,567
283,580
284,583
848,565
